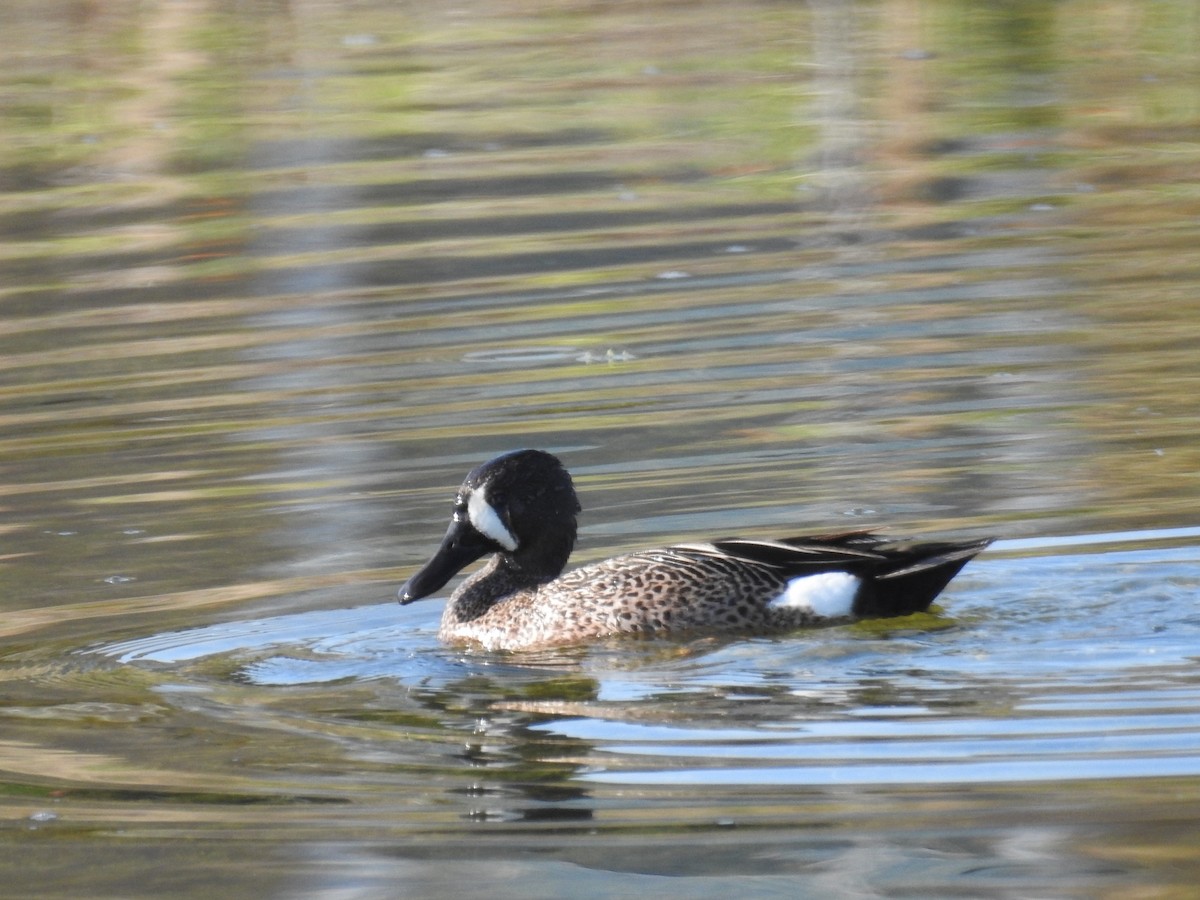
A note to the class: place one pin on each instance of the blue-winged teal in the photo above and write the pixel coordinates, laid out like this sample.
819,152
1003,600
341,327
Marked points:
521,508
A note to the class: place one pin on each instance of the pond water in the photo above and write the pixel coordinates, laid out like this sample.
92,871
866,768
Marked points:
276,276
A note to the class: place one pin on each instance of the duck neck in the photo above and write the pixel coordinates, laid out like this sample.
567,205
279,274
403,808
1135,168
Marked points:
481,591
509,573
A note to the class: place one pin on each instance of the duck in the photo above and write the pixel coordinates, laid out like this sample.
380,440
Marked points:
521,509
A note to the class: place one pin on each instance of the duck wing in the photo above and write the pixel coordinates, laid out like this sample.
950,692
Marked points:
898,576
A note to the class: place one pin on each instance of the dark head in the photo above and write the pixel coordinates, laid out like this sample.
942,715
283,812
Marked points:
521,505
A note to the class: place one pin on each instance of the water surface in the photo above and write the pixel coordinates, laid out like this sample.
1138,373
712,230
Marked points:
275,279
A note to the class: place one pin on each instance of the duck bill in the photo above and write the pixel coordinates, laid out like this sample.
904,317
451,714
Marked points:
461,546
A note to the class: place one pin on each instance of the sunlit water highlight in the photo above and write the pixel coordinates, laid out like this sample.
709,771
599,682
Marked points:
1037,669
276,275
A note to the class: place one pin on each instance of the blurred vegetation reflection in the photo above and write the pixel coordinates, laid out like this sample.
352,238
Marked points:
275,274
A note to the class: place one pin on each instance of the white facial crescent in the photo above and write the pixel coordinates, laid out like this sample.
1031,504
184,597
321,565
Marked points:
486,520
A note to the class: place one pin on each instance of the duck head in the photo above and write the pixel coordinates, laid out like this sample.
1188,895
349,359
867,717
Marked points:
521,505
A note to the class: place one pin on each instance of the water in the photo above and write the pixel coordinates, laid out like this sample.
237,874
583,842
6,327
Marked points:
275,278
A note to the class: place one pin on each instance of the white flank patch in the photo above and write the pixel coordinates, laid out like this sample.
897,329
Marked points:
830,594
487,522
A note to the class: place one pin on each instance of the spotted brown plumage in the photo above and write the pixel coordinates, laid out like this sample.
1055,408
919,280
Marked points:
521,508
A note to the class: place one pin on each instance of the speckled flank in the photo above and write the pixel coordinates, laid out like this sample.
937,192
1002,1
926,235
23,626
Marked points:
518,601
671,590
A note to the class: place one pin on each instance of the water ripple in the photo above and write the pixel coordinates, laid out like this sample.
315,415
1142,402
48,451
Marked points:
1040,668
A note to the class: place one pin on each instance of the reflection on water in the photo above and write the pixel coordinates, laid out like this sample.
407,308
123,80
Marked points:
273,278
1041,673
1013,683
